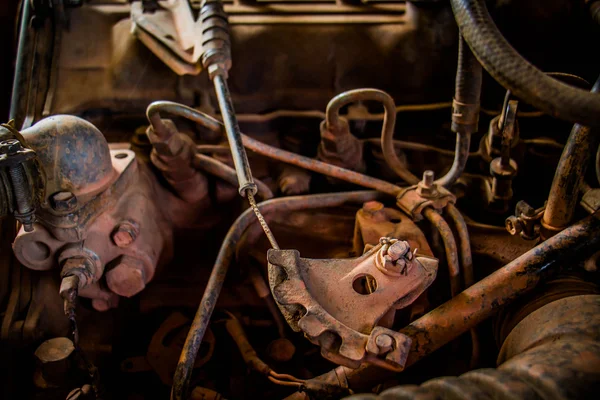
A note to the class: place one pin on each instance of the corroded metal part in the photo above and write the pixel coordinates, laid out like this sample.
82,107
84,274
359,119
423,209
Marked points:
338,302
413,200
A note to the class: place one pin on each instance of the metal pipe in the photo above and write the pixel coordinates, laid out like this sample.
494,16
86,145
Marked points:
24,38
569,175
225,172
332,119
477,303
466,258
213,288
461,155
268,151
232,130
449,245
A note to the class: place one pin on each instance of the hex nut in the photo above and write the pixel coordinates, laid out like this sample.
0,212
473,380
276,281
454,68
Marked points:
125,233
127,278
63,201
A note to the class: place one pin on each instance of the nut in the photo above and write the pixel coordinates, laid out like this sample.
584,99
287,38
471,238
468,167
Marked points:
127,278
10,146
63,201
125,233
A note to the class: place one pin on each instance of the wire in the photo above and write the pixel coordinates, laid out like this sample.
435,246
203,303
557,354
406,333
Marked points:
261,220
286,376
285,383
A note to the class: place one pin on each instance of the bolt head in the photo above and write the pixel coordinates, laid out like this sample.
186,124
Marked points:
127,278
398,250
384,343
125,233
63,201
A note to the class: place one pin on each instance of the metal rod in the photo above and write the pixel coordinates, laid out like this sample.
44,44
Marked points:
234,136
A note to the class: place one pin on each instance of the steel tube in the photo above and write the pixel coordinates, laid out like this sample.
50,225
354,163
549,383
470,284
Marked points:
225,172
269,151
477,303
332,119
570,173
450,247
234,136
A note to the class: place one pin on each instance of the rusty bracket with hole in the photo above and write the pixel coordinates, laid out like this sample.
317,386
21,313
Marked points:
338,303
413,200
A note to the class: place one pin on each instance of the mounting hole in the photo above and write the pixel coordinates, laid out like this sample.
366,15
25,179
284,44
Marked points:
395,220
364,284
121,156
37,252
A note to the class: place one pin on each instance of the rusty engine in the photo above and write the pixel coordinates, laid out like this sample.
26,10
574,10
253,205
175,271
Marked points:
303,199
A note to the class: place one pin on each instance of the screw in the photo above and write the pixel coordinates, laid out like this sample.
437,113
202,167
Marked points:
384,343
25,209
428,178
63,201
127,278
125,233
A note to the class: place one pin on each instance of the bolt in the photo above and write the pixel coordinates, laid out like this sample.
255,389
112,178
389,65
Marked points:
384,343
127,278
398,250
428,178
25,209
427,187
63,201
513,225
125,233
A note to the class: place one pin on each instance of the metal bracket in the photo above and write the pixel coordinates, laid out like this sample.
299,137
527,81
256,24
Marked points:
338,302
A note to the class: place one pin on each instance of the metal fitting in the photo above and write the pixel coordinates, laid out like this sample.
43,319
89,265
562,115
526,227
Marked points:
63,201
395,258
427,188
525,222
125,233
385,343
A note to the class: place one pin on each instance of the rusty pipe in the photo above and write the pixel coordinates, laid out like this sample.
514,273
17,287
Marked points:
332,119
450,247
477,303
213,288
269,151
569,176
553,353
466,257
225,172
466,261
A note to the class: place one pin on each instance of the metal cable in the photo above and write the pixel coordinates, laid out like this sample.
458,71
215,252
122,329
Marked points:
261,220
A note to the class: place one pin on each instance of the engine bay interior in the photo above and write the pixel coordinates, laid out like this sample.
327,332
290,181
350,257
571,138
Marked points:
312,199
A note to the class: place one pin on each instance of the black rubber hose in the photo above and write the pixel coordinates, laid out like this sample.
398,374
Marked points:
515,73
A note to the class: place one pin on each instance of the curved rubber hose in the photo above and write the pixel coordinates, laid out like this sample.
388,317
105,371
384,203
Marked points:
515,73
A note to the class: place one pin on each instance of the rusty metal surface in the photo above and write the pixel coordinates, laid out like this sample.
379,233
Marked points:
553,353
483,299
325,297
